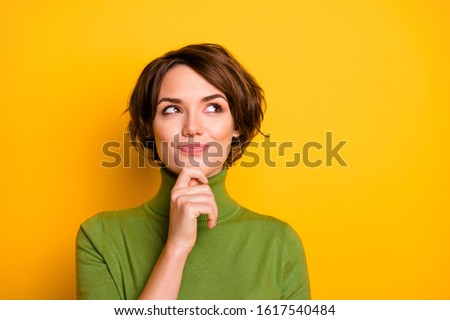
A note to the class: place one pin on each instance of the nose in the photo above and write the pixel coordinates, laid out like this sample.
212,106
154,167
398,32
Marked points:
192,125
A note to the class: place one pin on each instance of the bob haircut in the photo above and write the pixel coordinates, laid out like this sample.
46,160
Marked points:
218,66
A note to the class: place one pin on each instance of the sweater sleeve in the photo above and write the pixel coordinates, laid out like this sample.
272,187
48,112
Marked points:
94,280
295,271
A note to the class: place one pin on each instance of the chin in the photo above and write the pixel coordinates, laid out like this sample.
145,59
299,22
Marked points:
208,171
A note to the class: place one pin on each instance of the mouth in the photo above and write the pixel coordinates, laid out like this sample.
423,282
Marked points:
192,148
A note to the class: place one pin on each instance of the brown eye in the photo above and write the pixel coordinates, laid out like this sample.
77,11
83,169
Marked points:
213,108
171,109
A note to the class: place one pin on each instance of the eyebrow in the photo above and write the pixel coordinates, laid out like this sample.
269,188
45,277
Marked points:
205,99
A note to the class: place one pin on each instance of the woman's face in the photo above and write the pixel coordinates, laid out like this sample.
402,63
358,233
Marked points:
193,125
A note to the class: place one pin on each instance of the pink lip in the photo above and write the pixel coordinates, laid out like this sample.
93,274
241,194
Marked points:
192,148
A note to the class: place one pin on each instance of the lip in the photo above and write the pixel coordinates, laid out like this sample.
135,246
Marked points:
192,148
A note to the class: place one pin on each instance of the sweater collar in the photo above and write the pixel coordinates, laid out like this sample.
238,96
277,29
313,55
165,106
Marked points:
160,203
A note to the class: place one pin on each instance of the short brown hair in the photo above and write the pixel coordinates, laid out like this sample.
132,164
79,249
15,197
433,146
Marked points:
218,66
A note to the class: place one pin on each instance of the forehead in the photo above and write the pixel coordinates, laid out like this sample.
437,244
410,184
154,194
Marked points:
183,82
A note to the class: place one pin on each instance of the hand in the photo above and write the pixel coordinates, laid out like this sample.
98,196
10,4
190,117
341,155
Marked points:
188,200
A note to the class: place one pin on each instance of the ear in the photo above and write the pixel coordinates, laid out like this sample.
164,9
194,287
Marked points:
236,133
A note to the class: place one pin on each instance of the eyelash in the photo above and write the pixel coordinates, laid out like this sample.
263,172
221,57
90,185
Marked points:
177,109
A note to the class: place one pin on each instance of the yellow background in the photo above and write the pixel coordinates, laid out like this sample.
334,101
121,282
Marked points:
375,73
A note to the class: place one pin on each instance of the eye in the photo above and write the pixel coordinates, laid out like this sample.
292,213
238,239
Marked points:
171,109
213,108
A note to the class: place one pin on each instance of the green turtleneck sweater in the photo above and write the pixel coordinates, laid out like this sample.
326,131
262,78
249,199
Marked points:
246,256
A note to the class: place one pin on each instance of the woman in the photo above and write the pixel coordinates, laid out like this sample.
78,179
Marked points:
194,111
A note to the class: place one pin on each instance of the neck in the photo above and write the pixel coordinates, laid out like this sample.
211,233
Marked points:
161,201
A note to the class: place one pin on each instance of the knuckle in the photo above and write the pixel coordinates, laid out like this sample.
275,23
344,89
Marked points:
178,201
207,196
187,206
205,189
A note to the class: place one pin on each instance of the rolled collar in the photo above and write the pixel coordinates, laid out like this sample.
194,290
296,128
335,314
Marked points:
160,203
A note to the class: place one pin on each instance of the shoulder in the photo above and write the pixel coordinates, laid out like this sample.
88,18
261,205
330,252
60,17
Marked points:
264,220
107,221
268,224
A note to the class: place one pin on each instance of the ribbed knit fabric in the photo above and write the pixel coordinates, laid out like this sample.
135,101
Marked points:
246,256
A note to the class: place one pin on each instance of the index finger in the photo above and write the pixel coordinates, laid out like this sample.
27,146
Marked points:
186,175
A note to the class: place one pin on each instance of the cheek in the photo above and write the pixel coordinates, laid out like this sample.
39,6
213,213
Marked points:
222,132
162,132
161,135
222,141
